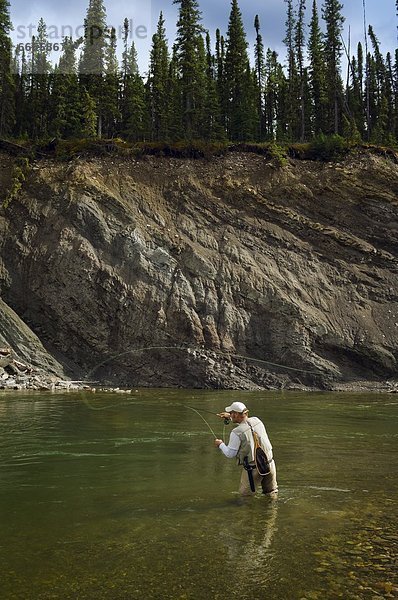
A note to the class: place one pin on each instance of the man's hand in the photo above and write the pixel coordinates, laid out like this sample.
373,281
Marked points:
217,443
224,415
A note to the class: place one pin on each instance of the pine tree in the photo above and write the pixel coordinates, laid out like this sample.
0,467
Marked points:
191,70
259,66
316,72
333,51
92,62
236,92
7,81
157,83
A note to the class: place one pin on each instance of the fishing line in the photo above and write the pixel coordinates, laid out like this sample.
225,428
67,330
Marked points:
196,349
202,417
118,404
181,349
108,406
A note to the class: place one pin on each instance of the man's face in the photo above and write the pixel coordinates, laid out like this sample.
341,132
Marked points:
235,416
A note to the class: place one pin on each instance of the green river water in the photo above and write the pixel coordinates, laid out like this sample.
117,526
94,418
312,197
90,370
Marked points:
107,496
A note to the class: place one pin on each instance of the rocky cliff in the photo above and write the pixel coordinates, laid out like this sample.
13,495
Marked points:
228,273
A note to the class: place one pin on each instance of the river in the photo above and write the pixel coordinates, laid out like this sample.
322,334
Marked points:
113,496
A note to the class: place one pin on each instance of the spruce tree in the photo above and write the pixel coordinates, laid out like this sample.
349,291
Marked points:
89,115
355,98
21,92
379,63
380,133
259,65
372,93
390,98
270,93
110,91
191,69
212,127
395,92
381,94
220,77
333,50
134,107
316,73
40,80
236,78
293,107
299,40
65,102
157,83
359,109
174,95
92,62
7,80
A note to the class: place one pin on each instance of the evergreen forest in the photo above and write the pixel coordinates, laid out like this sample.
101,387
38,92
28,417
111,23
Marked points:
203,86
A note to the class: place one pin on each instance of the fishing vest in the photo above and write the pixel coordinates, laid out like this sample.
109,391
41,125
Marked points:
245,435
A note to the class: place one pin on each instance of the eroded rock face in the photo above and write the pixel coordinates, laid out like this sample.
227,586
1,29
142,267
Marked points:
202,264
39,370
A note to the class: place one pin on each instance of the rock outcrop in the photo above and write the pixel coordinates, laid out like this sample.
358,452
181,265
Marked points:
24,362
232,273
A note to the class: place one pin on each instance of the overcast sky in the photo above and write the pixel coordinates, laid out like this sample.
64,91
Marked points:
60,17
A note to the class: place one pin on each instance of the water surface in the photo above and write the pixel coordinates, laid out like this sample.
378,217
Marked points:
106,496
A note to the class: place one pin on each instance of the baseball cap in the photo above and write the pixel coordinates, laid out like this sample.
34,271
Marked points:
236,406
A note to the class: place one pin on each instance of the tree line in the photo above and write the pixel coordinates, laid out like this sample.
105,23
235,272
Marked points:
200,88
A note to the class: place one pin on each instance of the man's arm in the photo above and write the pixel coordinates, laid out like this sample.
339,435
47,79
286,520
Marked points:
231,450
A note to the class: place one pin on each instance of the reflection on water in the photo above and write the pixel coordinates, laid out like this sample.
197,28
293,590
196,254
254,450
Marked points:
123,499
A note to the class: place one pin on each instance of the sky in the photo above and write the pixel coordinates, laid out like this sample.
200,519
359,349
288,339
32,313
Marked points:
63,18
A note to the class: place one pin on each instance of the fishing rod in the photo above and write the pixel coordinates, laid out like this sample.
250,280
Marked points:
198,411
130,403
226,420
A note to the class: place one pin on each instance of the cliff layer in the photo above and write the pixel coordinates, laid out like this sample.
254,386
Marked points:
229,273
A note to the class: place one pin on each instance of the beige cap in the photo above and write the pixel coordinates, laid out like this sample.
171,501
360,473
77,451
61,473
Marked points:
236,407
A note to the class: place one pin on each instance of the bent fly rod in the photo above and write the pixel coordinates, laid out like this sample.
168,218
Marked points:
226,420
200,410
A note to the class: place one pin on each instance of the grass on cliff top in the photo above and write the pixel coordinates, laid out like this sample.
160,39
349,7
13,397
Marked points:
332,148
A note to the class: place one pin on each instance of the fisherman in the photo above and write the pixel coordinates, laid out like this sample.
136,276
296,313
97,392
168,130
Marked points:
242,445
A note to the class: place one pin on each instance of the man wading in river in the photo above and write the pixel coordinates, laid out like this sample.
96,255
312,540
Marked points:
250,443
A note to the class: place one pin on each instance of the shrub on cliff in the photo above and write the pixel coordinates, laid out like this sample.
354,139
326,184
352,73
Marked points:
328,148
